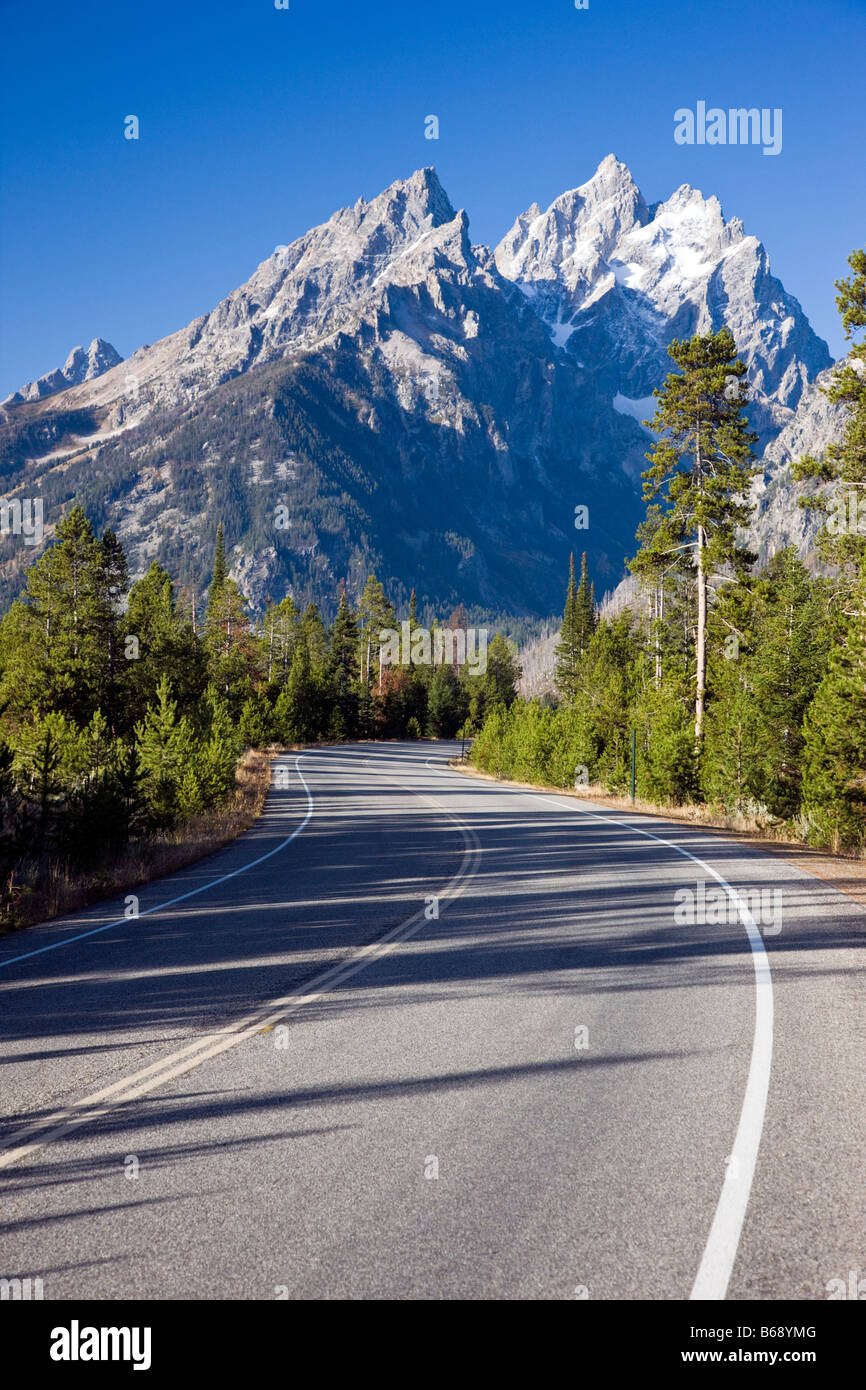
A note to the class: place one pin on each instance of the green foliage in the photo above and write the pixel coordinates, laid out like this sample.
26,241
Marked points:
769,639
164,746
443,710
834,753
578,625
255,726
343,669
59,643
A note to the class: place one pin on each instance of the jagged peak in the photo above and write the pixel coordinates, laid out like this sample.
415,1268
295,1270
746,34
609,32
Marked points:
82,364
610,169
420,197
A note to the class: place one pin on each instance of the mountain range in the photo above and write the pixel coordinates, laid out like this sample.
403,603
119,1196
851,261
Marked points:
383,395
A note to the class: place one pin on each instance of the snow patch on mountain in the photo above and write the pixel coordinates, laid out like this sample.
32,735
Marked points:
639,410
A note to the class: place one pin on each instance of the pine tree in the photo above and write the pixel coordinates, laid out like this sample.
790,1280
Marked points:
234,655
215,758
279,630
792,649
498,684
300,712
584,608
56,643
165,748
343,671
375,614
701,467
311,630
157,640
112,582
219,567
41,768
568,651
834,754
256,721
443,711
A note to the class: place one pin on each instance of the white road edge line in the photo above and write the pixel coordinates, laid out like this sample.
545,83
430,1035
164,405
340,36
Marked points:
28,1140
720,1252
172,902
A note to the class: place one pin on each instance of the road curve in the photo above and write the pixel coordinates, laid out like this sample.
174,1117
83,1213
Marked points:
417,1036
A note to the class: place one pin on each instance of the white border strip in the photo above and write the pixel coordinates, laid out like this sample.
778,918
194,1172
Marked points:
720,1252
203,888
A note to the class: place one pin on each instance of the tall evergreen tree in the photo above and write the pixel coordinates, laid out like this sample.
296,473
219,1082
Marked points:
578,625
791,653
279,630
568,651
498,684
219,565
343,672
300,713
235,656
443,709
311,630
158,640
375,614
701,468
57,642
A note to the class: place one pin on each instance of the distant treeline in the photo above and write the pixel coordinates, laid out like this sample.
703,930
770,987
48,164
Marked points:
123,712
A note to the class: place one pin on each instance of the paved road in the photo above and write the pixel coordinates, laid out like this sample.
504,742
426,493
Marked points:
288,1076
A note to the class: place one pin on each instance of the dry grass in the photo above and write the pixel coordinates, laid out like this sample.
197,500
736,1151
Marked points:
60,892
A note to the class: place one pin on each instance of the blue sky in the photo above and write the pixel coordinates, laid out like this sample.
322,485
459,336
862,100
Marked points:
257,123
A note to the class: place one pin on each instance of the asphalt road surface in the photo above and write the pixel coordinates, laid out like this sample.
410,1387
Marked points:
418,1036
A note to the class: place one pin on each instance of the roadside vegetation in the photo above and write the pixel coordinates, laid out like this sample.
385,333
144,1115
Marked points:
133,720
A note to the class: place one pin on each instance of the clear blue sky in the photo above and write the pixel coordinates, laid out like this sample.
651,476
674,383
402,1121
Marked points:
257,123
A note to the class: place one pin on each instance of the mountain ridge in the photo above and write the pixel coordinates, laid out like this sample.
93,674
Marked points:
450,376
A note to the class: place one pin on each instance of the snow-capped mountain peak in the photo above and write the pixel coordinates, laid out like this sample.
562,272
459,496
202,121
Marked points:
616,281
578,231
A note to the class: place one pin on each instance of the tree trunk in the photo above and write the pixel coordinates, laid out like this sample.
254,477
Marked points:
701,636
701,639
660,610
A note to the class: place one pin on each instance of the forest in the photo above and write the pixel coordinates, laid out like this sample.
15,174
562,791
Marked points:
124,711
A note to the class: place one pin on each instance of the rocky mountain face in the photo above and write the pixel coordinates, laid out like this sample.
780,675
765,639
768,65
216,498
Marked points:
616,281
778,519
81,365
383,395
